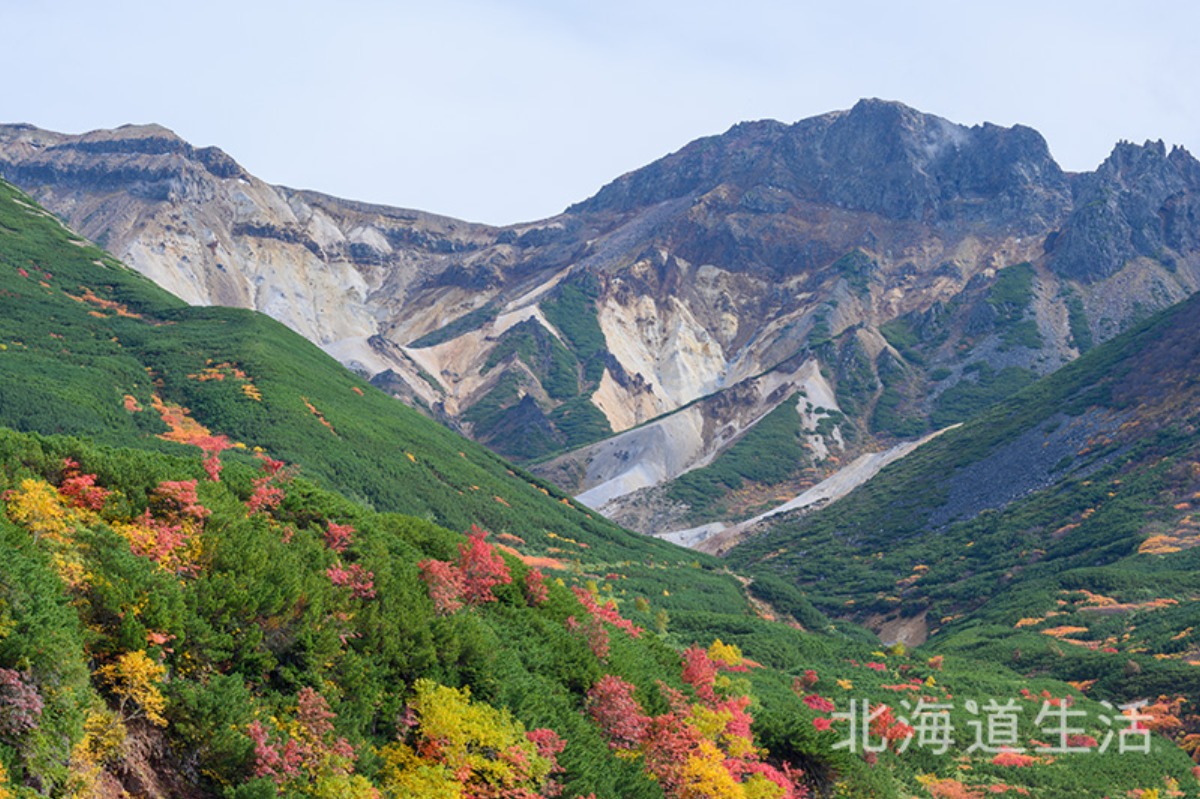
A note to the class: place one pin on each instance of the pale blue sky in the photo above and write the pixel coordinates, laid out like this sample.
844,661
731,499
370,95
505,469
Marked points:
509,111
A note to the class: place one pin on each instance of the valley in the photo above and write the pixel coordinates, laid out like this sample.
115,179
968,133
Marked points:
305,497
689,294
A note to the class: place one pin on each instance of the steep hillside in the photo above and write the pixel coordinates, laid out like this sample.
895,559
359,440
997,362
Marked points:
924,269
91,348
182,617
1057,532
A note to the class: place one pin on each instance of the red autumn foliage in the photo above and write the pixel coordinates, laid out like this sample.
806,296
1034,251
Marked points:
212,467
675,749
166,529
548,742
178,498
805,682
81,489
594,633
606,612
307,751
445,583
700,672
884,725
669,742
1015,759
268,492
536,592
819,703
470,580
338,536
612,706
20,705
360,581
483,568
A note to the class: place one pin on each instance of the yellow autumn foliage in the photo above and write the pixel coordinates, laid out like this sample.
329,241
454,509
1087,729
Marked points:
474,743
704,776
37,506
135,677
103,736
405,775
729,654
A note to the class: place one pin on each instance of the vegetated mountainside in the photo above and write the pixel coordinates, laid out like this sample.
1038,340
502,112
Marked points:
1059,531
905,270
181,616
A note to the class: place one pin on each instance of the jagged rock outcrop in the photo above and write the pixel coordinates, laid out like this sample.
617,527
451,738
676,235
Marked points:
928,268
1141,202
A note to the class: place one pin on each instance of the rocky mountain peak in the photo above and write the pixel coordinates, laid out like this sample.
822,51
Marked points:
879,156
147,159
1142,202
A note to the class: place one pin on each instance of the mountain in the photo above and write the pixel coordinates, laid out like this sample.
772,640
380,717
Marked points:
205,591
880,271
1057,531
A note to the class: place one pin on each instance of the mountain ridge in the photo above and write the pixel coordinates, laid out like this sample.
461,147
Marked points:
871,241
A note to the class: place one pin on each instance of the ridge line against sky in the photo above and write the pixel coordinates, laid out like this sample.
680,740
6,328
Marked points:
506,112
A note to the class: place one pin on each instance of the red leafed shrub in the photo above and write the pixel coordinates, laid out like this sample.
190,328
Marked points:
822,723
1013,759
668,747
819,703
212,467
606,612
595,634
81,489
470,580
338,536
536,591
360,581
178,497
549,745
787,778
268,487
307,749
20,705
445,583
168,531
700,672
212,447
482,566
313,712
805,682
612,706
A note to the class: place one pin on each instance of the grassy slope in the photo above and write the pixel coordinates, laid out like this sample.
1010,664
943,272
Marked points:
68,364
261,618
1052,583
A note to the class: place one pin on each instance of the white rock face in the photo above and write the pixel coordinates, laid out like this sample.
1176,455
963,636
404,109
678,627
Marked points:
690,438
665,344
623,407
718,536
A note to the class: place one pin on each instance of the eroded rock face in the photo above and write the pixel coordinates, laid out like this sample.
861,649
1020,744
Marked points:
1141,202
922,267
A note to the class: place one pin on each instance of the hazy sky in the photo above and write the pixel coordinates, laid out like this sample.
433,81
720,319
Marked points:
509,111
